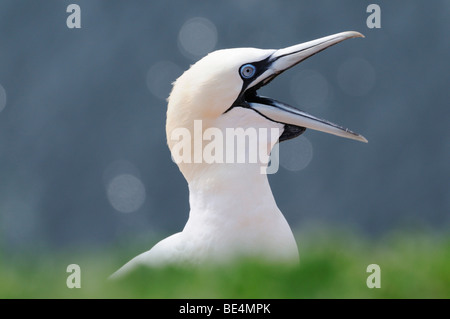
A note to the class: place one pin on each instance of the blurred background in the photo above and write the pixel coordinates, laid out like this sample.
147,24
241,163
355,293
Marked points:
83,154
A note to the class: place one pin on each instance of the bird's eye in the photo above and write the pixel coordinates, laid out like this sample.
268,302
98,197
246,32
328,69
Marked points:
247,71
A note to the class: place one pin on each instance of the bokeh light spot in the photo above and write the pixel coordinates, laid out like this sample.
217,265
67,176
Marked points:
160,77
356,76
18,222
197,37
296,154
2,98
126,193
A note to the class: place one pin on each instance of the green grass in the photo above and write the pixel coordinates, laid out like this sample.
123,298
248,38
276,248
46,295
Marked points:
333,267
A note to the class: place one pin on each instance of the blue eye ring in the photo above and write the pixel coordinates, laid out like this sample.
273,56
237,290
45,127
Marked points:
247,71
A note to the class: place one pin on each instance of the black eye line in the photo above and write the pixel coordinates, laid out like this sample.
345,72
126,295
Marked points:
260,67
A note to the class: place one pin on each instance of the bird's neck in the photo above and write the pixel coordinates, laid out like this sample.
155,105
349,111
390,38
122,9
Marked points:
236,192
233,211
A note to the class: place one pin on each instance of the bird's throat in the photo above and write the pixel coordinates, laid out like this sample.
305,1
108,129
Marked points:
235,192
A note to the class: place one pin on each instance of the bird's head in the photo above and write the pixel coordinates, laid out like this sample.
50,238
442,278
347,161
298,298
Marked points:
221,91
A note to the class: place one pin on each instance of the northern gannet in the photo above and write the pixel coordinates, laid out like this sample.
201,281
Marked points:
232,209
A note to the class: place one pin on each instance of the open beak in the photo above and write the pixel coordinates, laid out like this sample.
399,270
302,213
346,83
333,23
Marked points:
294,119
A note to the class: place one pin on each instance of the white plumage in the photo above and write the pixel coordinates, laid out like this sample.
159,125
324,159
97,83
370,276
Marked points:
232,210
